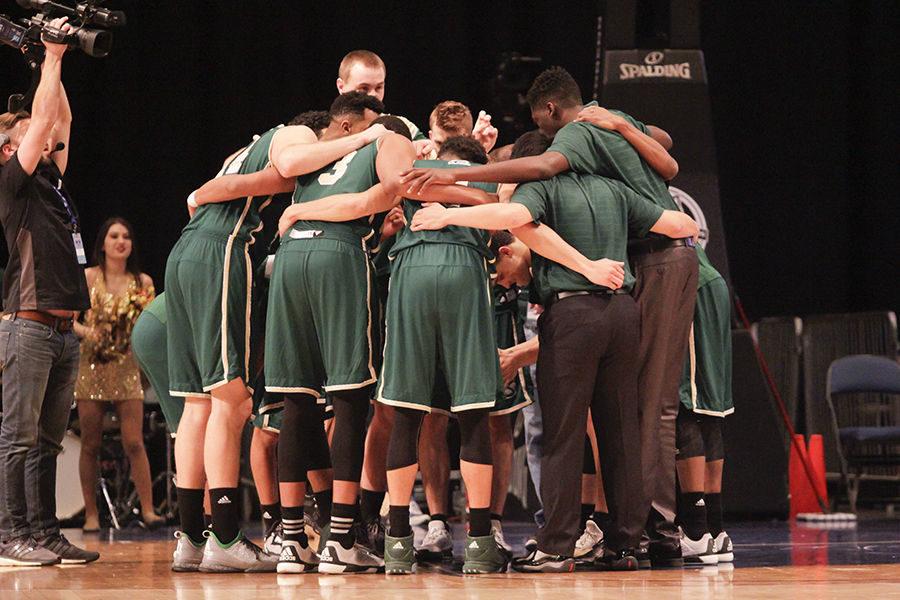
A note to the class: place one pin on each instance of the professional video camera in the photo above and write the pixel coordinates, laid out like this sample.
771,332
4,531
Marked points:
26,35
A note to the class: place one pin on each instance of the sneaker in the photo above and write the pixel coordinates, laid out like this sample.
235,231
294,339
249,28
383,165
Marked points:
724,548
437,544
297,557
699,552
590,544
240,556
623,560
187,555
530,545
274,537
664,555
416,516
373,531
483,555
642,553
335,559
541,562
399,555
497,532
68,553
25,552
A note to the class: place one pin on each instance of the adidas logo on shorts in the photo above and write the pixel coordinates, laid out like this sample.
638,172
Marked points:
224,500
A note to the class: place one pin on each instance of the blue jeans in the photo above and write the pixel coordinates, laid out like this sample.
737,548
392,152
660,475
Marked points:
40,366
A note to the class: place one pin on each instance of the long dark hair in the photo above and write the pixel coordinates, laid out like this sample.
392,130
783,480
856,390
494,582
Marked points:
132,264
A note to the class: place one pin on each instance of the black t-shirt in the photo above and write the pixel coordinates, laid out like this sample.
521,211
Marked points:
39,218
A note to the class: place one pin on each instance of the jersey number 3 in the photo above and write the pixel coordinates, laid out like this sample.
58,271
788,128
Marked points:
337,171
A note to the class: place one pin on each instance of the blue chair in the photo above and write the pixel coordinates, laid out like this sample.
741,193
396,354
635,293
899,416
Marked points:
861,446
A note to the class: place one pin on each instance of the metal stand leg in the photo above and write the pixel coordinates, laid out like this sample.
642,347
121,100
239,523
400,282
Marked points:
104,487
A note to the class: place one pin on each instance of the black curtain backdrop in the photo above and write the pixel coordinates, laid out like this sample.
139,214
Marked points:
803,107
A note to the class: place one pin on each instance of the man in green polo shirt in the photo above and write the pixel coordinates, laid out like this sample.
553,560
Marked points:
615,145
589,340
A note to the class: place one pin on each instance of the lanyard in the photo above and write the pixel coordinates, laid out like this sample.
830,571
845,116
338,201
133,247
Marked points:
67,204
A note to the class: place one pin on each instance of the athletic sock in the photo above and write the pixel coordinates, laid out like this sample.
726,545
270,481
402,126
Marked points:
292,521
398,525
479,522
602,519
342,517
496,517
271,514
323,505
714,513
225,522
438,517
190,511
586,511
370,505
693,514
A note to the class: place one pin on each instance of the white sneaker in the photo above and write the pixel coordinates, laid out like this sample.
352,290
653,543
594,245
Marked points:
296,558
335,559
416,516
724,547
497,532
437,544
590,544
699,552
272,544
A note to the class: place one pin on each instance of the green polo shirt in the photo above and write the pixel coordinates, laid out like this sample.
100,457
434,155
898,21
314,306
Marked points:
592,150
595,215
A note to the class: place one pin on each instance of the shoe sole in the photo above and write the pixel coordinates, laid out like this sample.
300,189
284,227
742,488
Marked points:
564,567
701,560
14,562
217,568
726,557
400,569
186,568
333,569
77,561
295,568
666,563
484,570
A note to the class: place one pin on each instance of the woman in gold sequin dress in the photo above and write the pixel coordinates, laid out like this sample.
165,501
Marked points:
108,371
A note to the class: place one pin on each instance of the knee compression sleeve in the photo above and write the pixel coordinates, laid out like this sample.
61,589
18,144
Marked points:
351,408
475,437
689,439
404,444
711,429
301,438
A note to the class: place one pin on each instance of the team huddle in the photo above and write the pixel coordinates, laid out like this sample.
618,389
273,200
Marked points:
394,296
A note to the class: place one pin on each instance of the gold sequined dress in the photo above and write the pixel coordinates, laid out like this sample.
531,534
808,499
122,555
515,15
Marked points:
108,370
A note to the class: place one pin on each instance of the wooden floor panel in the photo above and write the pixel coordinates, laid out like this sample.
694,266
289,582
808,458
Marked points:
139,570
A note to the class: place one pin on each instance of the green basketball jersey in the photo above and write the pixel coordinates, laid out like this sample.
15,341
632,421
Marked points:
238,217
592,150
477,239
353,173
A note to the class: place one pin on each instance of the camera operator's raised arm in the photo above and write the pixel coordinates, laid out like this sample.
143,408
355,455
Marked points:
45,108
61,132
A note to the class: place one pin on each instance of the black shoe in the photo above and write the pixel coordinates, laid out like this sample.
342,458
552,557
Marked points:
643,557
371,535
540,562
663,555
623,560
68,553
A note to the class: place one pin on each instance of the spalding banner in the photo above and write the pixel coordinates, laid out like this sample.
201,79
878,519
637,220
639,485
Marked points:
667,88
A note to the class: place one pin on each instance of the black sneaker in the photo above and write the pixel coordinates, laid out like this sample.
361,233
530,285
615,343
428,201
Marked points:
541,562
663,556
643,557
25,552
371,535
622,560
68,553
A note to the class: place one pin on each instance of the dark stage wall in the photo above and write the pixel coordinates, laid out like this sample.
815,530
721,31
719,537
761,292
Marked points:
802,105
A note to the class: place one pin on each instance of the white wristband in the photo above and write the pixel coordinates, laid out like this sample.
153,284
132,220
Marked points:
191,200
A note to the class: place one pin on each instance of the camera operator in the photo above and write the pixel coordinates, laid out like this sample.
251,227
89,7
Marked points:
44,287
